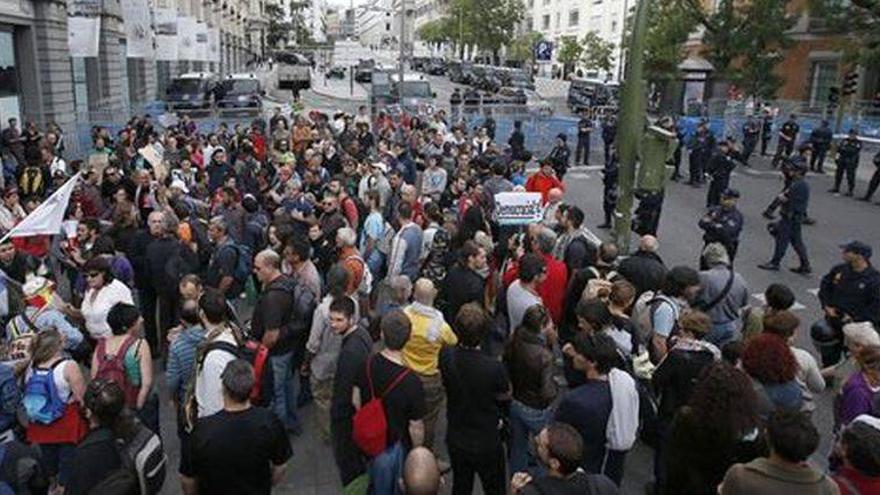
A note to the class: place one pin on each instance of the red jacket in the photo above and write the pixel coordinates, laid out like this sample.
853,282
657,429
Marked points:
552,290
864,484
538,182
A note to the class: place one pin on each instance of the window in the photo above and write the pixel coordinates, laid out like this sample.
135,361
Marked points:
613,27
573,18
823,75
529,24
558,20
545,22
595,23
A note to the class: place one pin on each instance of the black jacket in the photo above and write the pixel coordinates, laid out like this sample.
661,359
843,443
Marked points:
95,458
675,378
530,367
854,294
644,270
461,286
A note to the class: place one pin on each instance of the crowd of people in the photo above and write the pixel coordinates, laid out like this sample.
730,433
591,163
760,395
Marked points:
357,263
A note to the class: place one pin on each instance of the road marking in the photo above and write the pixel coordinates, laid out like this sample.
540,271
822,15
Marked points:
797,306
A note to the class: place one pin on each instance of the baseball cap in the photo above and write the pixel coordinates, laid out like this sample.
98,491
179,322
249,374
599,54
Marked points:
857,247
730,193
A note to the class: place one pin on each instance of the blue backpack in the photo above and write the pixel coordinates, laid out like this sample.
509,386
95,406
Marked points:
41,401
244,263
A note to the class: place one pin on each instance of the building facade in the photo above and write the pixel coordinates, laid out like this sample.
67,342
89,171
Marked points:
375,24
558,19
40,81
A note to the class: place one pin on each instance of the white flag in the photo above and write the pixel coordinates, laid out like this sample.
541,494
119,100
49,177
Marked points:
46,219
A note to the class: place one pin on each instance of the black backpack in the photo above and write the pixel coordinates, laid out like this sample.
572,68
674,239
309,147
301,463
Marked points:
144,465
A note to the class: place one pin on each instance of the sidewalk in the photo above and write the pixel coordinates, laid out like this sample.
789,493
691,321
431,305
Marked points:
551,88
338,88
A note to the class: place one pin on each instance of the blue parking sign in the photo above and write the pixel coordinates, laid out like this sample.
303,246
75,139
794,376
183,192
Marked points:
544,51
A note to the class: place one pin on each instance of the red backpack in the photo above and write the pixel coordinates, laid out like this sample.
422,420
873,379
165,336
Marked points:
112,368
370,427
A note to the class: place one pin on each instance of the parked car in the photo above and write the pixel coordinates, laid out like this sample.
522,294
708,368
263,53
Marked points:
419,63
415,90
363,72
519,78
587,93
485,79
192,91
336,72
436,67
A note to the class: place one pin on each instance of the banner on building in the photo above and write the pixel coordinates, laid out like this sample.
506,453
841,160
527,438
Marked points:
518,208
213,45
202,42
138,28
83,36
165,28
186,38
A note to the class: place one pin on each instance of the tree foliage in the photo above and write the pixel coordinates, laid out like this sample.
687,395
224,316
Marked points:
522,48
570,50
486,24
597,53
668,28
859,23
435,31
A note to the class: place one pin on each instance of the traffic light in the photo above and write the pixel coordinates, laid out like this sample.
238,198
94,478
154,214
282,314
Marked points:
850,83
833,96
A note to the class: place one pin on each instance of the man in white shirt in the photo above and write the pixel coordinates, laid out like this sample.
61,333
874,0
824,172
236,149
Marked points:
220,339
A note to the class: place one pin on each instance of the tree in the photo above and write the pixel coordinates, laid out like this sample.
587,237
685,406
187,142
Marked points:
858,23
570,52
597,53
523,47
668,29
300,29
486,24
435,32
278,33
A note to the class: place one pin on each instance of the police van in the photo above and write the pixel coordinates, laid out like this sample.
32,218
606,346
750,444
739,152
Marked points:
240,94
191,91
415,91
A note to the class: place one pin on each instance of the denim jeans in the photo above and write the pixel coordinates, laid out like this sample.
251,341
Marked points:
386,469
284,395
525,422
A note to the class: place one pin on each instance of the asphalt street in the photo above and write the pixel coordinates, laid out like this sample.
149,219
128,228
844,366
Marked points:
839,219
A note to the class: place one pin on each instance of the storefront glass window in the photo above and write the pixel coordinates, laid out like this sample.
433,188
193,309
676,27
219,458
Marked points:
9,99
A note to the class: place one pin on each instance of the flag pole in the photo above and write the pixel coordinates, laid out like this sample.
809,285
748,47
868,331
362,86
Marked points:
35,210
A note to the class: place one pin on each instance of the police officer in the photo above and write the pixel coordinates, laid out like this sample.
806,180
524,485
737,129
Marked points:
676,155
610,195
787,230
787,137
847,162
850,292
647,214
719,168
820,138
702,146
585,130
723,223
560,155
751,132
609,134
766,132
875,179
517,141
455,103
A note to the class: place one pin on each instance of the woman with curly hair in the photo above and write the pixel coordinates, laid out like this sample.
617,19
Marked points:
862,389
773,368
718,427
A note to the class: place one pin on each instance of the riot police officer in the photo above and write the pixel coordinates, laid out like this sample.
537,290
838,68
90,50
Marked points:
609,134
751,131
719,168
647,214
724,223
787,230
820,138
609,193
766,132
849,293
875,179
702,146
560,155
585,130
847,162
787,137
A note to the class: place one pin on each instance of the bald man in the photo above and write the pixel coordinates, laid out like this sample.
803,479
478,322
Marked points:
429,334
554,199
421,474
644,269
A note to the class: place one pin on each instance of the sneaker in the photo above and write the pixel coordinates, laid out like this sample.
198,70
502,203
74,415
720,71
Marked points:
801,270
834,190
809,221
768,215
604,226
849,194
769,267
